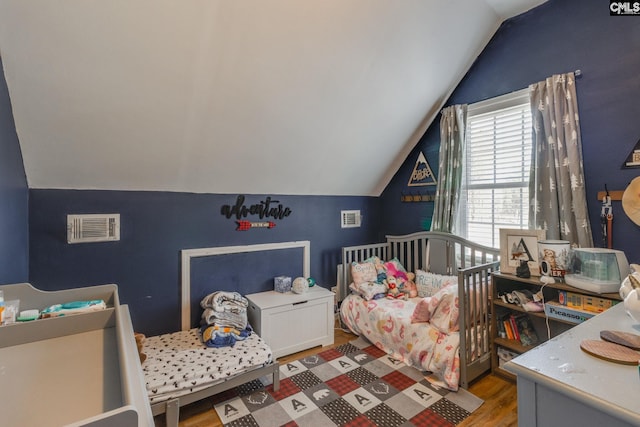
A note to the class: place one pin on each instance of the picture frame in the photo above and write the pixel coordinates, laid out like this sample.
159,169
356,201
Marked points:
518,244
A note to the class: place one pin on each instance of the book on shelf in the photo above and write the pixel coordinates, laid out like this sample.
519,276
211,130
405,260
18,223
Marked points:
500,327
514,327
506,326
508,329
526,331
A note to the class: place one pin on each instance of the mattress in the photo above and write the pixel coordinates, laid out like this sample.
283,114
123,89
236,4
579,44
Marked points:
179,363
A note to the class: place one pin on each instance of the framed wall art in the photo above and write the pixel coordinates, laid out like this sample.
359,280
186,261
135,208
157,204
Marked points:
518,245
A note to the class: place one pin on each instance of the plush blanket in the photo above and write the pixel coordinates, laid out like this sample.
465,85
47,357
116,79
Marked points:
224,309
387,324
223,301
219,336
224,318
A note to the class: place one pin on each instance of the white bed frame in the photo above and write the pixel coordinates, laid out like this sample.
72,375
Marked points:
188,254
444,253
171,407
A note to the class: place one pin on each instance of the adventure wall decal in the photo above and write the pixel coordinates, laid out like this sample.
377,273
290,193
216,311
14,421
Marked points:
265,209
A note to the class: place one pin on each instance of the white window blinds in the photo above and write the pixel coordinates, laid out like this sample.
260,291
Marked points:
496,169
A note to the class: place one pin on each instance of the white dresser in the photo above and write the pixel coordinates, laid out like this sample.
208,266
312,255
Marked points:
291,322
561,385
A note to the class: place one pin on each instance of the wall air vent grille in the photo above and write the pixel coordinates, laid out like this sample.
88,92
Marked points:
93,228
350,219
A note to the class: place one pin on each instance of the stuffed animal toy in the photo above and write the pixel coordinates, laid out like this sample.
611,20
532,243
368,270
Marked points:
394,291
380,270
392,271
409,287
549,255
399,283
140,338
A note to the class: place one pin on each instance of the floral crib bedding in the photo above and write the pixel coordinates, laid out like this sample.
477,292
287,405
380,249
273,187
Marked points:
387,323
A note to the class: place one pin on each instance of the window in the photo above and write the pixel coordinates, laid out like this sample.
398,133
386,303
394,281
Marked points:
497,161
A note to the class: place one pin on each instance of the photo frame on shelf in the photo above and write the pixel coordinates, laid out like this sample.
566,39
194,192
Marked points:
517,245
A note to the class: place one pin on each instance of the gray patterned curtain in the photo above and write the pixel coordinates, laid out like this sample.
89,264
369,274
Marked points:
452,138
559,204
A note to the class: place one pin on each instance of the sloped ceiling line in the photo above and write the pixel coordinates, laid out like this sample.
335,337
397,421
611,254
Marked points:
270,97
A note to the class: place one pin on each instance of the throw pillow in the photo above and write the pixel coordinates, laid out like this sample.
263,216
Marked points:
430,283
369,291
363,272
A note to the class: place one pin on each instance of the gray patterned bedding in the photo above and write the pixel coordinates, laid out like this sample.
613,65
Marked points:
179,363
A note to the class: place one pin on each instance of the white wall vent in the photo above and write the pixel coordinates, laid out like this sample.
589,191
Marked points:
93,228
350,219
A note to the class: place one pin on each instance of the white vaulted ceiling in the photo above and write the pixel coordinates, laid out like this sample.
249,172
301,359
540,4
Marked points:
314,97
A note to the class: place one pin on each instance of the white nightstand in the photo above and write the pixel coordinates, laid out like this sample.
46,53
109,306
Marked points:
291,322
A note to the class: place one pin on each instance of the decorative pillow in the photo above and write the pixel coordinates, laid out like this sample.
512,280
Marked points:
369,290
441,310
391,268
430,283
363,272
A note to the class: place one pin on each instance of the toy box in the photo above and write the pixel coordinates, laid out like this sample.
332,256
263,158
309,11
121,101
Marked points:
596,304
282,284
584,302
574,315
570,299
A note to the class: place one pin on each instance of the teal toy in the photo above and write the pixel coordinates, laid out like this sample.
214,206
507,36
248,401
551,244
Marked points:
311,281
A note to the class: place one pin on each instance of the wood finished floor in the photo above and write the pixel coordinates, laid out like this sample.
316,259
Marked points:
498,410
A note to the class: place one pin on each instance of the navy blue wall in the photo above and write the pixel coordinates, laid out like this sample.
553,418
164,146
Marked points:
557,37
155,226
14,198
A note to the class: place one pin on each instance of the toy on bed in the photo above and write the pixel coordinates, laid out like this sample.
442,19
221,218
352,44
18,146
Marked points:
405,283
394,276
410,286
444,330
373,278
393,290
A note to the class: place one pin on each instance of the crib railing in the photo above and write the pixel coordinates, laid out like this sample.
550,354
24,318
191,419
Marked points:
433,251
474,295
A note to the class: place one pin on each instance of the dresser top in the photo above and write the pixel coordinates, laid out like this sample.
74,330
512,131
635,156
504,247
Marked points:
561,365
271,299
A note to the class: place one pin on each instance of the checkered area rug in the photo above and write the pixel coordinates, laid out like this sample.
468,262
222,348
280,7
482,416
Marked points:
355,384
